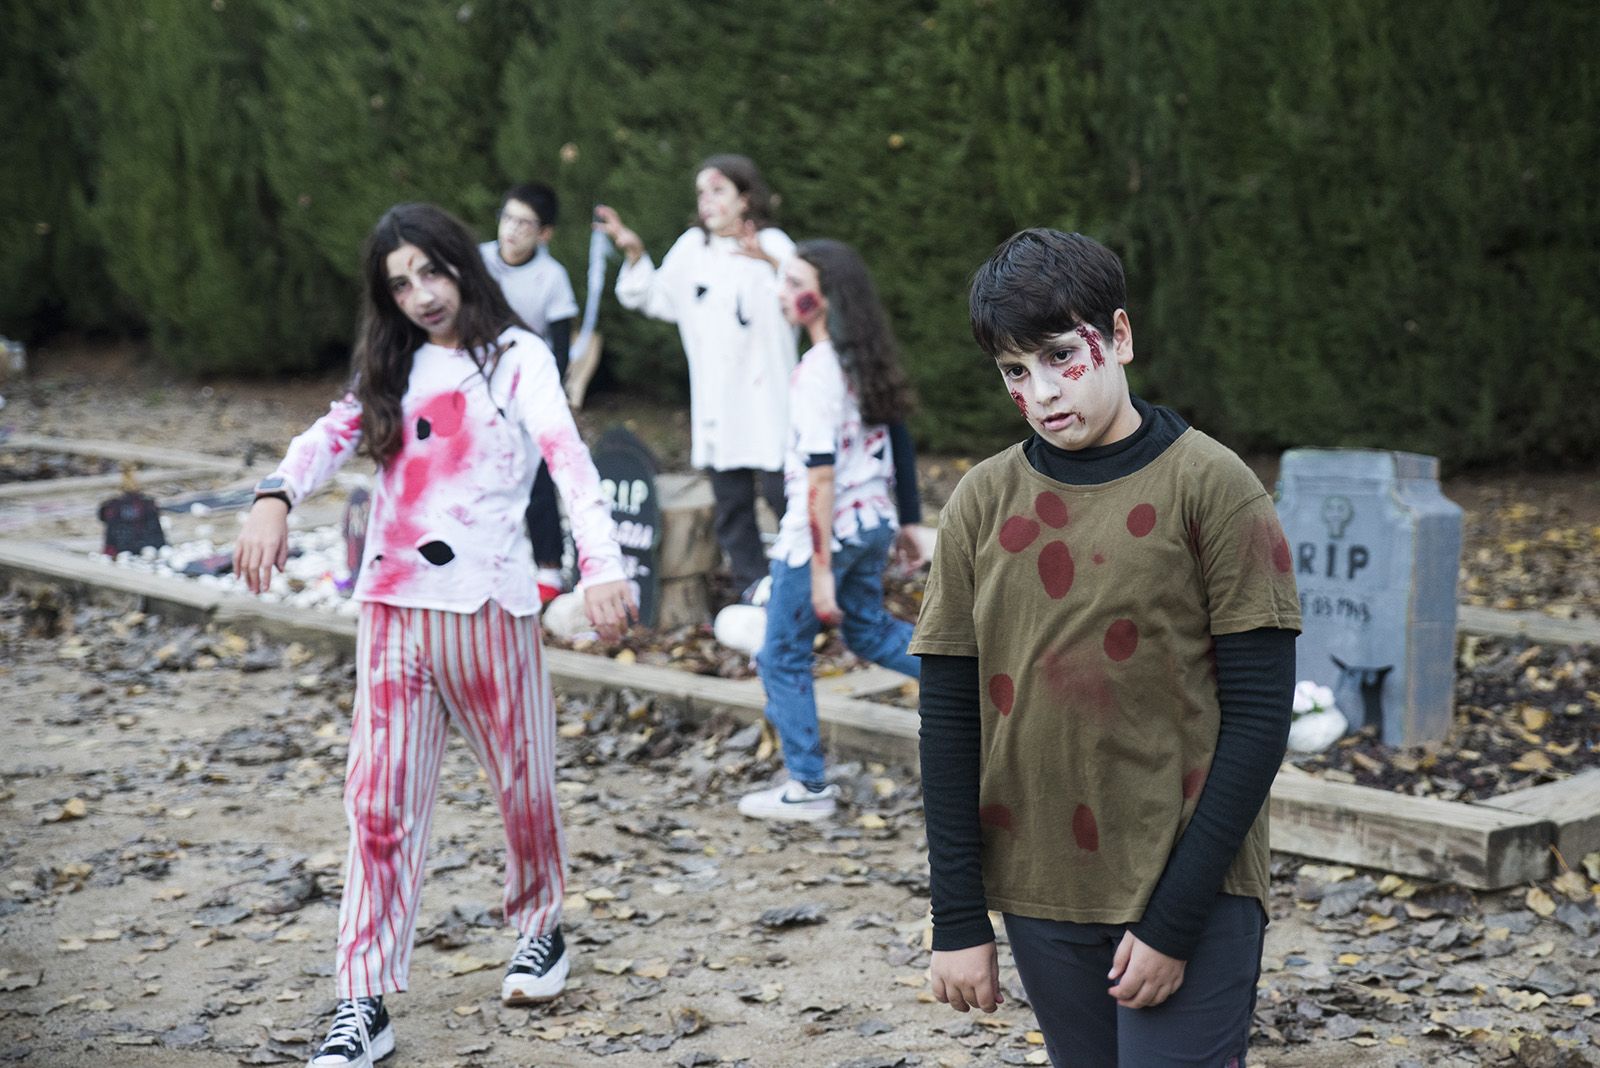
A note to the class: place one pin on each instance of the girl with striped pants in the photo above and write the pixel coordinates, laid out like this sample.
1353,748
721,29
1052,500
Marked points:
457,403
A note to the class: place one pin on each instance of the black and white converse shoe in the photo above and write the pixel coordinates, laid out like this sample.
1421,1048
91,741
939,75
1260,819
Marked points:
360,1036
538,969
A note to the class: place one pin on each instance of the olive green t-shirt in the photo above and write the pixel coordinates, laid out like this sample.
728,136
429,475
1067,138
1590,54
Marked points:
1091,610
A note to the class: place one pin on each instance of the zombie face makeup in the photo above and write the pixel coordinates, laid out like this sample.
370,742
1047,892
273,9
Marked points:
719,202
800,293
1072,390
425,292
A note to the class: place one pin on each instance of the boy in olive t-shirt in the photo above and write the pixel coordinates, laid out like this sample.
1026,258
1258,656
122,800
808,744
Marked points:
1107,640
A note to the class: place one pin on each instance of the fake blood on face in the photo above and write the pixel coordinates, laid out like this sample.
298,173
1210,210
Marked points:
1091,337
1022,405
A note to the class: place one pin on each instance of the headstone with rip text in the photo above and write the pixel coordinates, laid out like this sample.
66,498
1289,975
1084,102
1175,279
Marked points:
1377,549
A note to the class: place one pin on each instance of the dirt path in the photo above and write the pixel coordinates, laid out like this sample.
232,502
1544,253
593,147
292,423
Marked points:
173,834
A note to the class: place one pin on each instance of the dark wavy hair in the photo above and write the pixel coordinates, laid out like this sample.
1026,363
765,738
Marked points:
860,332
1040,283
746,178
386,340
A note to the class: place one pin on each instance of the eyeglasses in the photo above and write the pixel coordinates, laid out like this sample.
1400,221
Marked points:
519,222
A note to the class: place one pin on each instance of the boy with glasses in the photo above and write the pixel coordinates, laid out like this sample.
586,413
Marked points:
540,292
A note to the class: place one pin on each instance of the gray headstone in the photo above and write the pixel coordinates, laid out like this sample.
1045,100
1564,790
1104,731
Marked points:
1377,550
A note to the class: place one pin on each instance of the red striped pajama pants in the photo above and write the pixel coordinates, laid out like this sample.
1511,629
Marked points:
417,671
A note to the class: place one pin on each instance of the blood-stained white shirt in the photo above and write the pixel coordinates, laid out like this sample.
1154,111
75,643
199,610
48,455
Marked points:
825,418
447,528
739,347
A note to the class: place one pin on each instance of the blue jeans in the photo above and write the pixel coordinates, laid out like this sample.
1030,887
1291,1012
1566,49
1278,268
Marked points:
785,656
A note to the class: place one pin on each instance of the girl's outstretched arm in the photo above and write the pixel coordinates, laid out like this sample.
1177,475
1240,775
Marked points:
541,404
312,459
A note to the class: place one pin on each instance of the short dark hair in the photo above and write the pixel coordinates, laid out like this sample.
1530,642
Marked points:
1041,283
538,196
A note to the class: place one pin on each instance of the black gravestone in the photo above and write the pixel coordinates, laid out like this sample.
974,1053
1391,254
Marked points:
628,481
133,522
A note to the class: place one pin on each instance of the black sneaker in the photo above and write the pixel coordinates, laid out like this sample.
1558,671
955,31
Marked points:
538,969
360,1036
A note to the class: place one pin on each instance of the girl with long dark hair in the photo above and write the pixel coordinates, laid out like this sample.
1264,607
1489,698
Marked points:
718,282
850,484
457,402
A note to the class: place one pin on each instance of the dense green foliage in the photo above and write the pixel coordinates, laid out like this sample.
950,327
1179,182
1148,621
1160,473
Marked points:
1344,223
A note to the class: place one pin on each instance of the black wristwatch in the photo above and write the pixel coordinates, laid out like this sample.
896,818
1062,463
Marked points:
274,486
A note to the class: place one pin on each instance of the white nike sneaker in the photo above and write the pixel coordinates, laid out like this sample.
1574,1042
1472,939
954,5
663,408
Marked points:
791,801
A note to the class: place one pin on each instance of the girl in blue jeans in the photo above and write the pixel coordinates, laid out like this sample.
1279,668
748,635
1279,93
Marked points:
849,483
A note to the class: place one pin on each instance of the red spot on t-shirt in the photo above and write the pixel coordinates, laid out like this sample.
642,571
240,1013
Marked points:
444,412
1142,520
1055,569
1280,554
1084,829
997,816
1099,558
1051,509
1122,638
1075,677
1017,533
1192,781
1003,692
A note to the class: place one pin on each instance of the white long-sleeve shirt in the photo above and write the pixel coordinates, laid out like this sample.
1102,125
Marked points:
447,528
739,347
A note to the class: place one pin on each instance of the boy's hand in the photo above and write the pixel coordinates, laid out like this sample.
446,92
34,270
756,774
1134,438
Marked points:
607,220
1148,976
263,543
967,978
823,600
611,607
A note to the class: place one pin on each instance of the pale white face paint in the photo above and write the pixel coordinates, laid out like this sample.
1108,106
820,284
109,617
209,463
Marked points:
425,292
719,202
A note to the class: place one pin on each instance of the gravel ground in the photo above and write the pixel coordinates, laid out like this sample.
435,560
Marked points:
172,835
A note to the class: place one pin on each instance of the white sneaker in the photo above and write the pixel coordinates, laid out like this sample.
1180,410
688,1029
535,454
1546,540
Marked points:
791,801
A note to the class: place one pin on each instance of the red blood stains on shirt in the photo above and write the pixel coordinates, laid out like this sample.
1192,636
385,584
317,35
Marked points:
1092,337
1022,405
444,412
1099,558
1075,371
1122,638
1051,509
1017,533
998,816
1056,569
1192,782
1142,520
1085,831
1075,678
1281,558
1266,546
1003,692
